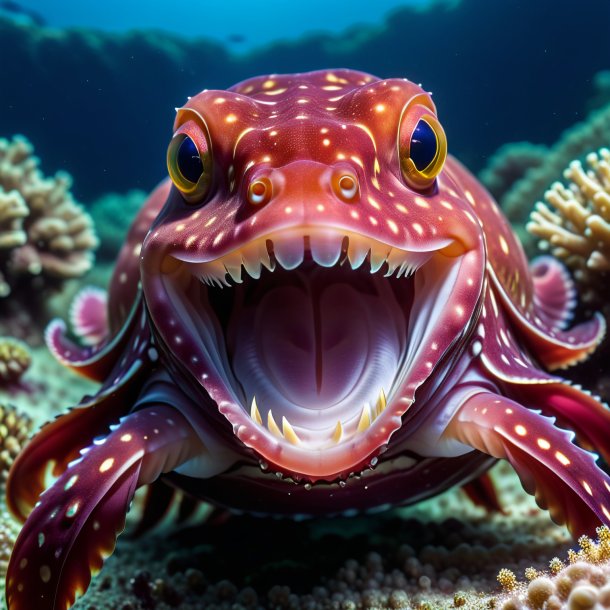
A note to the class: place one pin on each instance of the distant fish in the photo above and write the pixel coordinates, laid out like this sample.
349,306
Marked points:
16,9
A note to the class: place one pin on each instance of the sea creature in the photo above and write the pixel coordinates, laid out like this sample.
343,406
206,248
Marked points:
321,312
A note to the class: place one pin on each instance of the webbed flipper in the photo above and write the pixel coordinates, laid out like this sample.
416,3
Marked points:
76,522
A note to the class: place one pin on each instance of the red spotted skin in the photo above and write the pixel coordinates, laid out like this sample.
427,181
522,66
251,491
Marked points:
477,389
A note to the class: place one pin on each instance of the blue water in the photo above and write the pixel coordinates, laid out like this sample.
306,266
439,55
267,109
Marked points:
241,23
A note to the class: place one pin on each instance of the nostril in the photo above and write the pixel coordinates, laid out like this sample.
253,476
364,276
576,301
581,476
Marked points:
345,186
260,191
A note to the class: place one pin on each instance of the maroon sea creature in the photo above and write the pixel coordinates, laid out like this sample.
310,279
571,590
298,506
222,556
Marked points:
320,313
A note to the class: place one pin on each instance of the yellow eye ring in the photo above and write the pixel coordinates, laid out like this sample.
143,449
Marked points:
189,163
422,149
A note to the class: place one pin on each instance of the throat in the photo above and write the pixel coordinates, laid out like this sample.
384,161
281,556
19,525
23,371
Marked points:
315,345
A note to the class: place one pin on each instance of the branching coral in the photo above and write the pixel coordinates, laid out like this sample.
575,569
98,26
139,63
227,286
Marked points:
574,223
574,143
15,429
45,236
15,360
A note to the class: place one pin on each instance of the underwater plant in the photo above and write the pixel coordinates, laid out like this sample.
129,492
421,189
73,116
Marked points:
320,313
45,236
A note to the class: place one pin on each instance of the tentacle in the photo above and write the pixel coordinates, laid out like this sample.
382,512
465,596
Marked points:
75,525
574,409
554,291
95,361
89,315
563,477
482,492
58,442
156,504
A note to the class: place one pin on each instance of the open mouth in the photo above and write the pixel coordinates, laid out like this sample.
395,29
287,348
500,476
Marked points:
314,337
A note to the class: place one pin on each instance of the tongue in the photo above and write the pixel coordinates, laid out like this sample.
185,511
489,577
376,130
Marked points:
316,340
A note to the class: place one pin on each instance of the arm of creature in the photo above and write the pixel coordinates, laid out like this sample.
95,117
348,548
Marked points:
76,521
563,477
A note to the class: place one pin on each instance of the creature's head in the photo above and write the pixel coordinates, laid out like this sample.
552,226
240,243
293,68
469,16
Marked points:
313,265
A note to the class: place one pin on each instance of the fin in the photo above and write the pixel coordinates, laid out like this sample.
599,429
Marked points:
563,477
74,526
89,315
482,492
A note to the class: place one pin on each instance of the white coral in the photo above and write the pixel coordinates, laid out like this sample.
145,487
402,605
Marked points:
574,223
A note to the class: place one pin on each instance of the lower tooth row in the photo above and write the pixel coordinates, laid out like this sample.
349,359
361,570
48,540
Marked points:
367,417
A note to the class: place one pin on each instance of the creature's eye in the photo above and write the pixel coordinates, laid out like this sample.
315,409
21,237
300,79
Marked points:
189,162
422,149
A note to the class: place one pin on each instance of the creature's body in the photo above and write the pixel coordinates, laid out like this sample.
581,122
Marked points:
333,317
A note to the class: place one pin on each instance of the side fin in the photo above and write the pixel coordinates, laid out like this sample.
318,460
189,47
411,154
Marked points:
563,477
74,526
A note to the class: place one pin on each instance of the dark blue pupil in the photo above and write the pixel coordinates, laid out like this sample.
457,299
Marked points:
423,145
189,161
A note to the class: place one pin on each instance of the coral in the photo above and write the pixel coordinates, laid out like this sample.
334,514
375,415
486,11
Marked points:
574,143
601,86
509,164
15,429
582,584
113,214
45,236
15,359
8,532
574,223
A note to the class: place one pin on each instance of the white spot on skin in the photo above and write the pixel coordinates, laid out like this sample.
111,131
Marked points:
520,430
45,573
126,438
418,228
393,226
503,244
562,458
587,488
107,465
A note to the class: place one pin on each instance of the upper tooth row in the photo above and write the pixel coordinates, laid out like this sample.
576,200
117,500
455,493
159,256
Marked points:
326,250
367,417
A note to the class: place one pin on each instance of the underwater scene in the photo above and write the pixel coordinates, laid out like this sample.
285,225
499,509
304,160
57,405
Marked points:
304,306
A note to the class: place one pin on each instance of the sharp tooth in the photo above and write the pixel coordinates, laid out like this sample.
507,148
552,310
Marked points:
365,419
338,433
381,403
255,413
357,251
273,428
378,257
235,273
289,432
253,266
